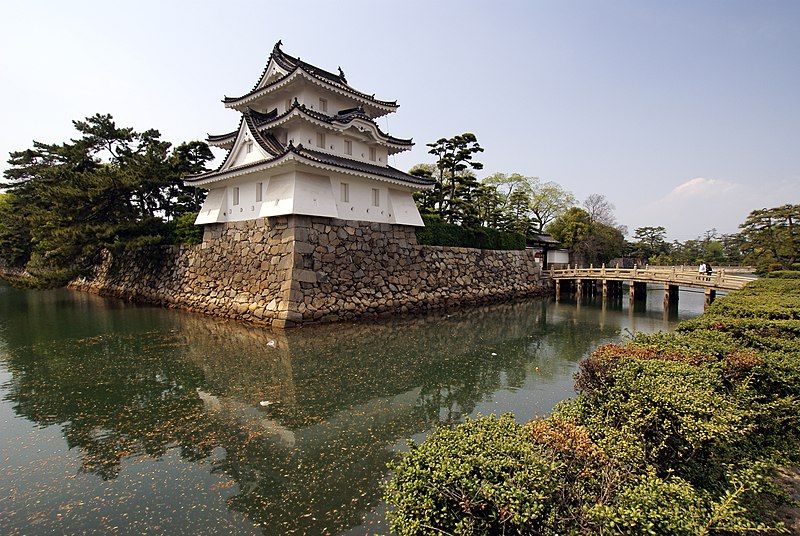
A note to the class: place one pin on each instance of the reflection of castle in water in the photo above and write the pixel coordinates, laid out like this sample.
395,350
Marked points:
337,399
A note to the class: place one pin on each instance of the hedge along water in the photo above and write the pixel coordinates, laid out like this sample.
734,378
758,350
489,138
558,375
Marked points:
671,433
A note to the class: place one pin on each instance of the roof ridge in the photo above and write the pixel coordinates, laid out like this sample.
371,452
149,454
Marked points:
292,64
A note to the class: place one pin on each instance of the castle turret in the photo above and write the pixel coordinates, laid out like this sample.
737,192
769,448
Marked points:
307,143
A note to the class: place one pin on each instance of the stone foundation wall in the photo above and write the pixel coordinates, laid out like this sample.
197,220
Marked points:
298,269
240,271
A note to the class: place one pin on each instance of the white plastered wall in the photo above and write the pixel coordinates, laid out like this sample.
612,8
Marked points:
309,192
298,192
403,208
361,207
213,208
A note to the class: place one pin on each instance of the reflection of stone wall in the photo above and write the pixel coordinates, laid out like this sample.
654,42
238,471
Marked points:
284,271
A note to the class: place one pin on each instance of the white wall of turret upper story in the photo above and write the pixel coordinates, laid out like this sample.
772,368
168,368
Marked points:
312,98
336,143
317,193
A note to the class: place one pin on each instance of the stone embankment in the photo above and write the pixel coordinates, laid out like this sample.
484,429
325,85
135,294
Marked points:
298,269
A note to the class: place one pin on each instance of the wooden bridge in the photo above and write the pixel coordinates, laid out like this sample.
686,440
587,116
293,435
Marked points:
609,281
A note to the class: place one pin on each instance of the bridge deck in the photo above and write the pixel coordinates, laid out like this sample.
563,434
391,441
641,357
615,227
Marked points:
685,278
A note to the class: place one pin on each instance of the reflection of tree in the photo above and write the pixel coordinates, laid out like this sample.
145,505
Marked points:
340,396
114,397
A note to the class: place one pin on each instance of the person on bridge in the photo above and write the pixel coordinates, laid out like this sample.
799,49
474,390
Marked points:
708,268
702,268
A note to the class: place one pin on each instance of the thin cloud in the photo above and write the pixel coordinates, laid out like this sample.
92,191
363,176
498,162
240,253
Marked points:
698,204
700,187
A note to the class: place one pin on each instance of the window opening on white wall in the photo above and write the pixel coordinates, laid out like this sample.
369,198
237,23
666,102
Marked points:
249,147
259,190
320,140
323,105
376,197
236,195
288,103
373,154
344,191
348,147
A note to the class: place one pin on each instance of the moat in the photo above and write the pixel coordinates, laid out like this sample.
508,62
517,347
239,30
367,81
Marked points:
127,419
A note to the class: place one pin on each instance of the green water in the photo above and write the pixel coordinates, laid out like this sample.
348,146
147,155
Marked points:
125,419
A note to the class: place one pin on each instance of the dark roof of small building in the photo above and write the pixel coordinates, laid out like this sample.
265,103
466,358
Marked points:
542,239
291,64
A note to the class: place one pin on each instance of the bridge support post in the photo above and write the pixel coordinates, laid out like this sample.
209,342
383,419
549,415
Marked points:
614,289
711,295
558,289
578,289
637,292
605,289
670,295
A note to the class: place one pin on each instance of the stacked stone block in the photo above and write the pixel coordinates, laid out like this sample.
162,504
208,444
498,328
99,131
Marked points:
293,270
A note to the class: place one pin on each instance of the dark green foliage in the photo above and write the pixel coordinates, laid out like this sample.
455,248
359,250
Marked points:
493,476
772,237
438,233
783,274
684,430
650,246
650,241
453,197
591,242
15,236
185,231
112,187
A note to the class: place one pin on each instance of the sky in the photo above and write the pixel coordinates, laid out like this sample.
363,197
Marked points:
684,114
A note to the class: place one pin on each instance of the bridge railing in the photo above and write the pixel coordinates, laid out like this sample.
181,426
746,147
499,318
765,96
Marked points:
726,269
717,280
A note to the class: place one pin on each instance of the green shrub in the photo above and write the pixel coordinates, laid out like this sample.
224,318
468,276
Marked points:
438,233
494,476
656,506
783,274
185,231
671,433
677,414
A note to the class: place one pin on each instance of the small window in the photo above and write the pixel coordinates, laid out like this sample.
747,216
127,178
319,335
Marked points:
320,140
344,189
348,147
259,191
249,147
236,195
323,105
376,197
373,154
288,103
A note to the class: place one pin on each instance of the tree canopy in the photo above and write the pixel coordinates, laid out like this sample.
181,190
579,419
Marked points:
452,198
591,241
109,187
771,237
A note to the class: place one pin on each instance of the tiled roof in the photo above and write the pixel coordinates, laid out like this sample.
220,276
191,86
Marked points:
221,138
268,142
291,64
342,117
324,159
363,167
